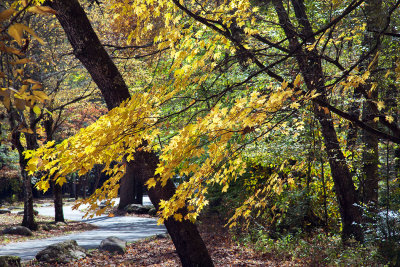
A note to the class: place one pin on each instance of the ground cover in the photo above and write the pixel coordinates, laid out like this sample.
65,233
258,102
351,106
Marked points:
47,228
160,251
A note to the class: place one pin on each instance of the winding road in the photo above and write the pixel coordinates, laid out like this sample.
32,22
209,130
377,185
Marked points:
127,228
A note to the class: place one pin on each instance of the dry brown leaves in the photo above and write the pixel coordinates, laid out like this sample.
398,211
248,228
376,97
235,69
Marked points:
9,220
161,252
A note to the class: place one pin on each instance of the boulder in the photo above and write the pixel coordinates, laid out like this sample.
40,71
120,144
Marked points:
58,224
113,244
162,236
137,209
10,261
103,204
4,211
152,211
22,212
17,230
63,252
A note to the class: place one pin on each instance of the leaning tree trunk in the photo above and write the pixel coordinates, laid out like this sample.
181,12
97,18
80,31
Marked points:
311,68
88,49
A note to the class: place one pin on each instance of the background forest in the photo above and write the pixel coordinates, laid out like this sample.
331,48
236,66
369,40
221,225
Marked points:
281,118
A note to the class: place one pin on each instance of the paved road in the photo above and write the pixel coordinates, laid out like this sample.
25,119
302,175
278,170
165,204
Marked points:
126,228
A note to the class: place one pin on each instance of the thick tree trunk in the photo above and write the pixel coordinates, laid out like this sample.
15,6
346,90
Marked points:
187,240
311,68
58,203
131,190
88,49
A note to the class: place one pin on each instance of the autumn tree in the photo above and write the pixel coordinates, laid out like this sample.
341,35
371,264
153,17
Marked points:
282,55
89,50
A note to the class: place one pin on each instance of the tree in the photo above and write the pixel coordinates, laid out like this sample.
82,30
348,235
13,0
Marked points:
88,49
209,41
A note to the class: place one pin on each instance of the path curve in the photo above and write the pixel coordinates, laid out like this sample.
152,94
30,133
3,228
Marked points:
127,228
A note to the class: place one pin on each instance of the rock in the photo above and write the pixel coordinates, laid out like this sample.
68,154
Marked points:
10,261
137,209
58,224
22,212
152,211
17,230
102,204
45,227
63,252
113,244
4,211
162,236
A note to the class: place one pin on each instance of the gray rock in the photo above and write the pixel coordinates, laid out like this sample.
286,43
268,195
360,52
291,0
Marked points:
4,211
46,227
137,209
10,261
17,230
113,244
63,252
152,211
22,212
162,236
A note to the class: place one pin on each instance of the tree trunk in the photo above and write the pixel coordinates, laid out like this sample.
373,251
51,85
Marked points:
58,203
311,68
187,240
29,217
88,49
370,157
130,191
57,190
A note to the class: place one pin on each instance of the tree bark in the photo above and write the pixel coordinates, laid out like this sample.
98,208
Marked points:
131,190
187,240
29,216
57,190
311,68
88,49
370,156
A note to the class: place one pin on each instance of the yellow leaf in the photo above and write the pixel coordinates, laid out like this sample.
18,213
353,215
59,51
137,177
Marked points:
37,110
16,31
390,119
21,61
380,105
225,188
295,105
297,80
26,130
61,181
42,10
7,102
159,170
41,95
178,217
6,14
151,183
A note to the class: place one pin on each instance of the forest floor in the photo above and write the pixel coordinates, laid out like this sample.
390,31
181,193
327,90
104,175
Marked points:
160,251
47,228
